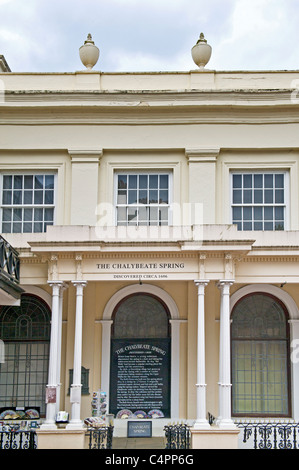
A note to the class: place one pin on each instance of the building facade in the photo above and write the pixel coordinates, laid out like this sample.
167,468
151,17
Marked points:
156,220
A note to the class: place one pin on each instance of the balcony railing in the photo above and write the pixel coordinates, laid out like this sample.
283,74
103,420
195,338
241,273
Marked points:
15,440
9,261
100,438
269,435
178,436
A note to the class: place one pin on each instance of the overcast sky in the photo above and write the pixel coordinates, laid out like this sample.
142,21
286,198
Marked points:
149,35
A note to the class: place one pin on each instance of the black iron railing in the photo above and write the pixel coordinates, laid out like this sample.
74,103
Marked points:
178,436
270,435
100,438
9,261
18,440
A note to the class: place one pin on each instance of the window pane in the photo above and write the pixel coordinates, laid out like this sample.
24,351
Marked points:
6,214
153,196
143,182
237,197
18,182
132,194
7,182
28,182
279,181
49,197
28,197
258,196
39,182
163,197
143,197
49,215
17,215
258,181
153,182
49,181
122,197
7,197
28,214
37,227
237,181
38,197
279,196
122,182
17,197
247,197
247,213
163,181
237,213
247,181
268,213
38,214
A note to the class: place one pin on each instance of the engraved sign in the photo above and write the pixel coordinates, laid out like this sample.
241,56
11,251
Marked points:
140,377
139,429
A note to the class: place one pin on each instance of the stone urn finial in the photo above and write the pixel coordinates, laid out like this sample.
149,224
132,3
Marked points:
89,53
201,52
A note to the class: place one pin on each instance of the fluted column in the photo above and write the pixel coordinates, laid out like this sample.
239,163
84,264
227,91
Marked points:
51,390
75,422
224,419
201,418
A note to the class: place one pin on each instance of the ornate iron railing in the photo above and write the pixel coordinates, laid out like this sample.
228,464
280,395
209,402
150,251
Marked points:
178,436
18,440
100,438
270,435
9,261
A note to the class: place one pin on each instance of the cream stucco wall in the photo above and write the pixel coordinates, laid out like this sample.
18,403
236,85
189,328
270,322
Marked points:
199,126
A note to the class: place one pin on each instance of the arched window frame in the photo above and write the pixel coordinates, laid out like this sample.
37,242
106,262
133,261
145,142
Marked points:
293,312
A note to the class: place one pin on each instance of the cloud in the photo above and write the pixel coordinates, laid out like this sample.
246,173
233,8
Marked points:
148,35
262,35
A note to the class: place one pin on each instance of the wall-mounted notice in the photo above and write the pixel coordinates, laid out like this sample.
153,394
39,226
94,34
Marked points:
140,378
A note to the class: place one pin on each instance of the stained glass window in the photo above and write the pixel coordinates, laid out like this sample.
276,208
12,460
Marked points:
25,331
260,365
141,316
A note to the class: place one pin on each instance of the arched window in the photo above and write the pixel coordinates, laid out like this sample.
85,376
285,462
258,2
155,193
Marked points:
25,331
260,357
140,357
140,316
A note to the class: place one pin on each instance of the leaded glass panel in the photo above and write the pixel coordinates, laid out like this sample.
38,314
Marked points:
25,331
141,316
260,369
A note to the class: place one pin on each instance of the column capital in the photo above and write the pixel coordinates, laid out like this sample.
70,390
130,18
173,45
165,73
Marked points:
56,283
225,283
201,282
79,283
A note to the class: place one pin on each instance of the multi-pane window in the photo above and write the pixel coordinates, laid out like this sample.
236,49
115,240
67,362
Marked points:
142,199
27,202
259,201
260,364
25,331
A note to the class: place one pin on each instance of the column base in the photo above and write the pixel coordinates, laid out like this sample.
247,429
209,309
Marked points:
214,438
225,424
201,424
75,425
48,426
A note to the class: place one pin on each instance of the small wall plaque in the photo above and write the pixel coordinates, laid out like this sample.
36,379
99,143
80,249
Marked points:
139,429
